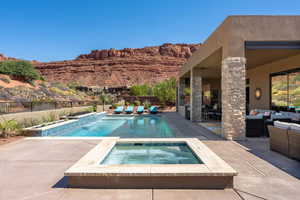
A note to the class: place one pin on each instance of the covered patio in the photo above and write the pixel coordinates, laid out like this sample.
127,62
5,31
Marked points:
231,73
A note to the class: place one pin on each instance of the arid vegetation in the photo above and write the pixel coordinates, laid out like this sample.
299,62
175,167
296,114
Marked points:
165,91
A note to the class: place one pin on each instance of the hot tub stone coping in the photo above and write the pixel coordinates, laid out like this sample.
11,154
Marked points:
89,164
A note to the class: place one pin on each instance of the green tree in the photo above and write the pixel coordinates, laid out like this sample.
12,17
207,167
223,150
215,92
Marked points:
141,90
165,91
20,69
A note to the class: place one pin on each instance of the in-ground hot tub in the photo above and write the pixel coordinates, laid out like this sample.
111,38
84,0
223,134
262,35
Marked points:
151,163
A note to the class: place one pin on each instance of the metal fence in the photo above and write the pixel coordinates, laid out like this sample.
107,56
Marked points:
142,99
15,107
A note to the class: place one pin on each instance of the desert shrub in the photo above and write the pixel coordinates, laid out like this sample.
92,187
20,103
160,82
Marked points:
187,91
141,90
9,127
28,122
137,103
105,99
147,104
19,69
93,108
165,91
73,85
90,109
5,79
53,116
115,105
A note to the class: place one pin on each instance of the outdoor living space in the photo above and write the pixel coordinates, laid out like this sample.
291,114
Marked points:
38,165
244,77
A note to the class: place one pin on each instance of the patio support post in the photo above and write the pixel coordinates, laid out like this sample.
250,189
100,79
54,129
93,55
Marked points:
196,95
234,98
180,93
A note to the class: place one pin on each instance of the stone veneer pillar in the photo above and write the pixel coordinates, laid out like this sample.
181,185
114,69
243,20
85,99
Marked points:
234,98
196,95
180,93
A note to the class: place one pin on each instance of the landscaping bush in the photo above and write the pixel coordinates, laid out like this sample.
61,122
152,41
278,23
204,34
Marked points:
141,90
9,127
105,99
137,103
187,91
19,69
165,91
147,104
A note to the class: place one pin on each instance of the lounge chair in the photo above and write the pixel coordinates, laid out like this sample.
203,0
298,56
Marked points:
119,109
140,109
153,109
129,109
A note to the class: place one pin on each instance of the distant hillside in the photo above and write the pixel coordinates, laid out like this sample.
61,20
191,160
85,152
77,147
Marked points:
115,68
14,90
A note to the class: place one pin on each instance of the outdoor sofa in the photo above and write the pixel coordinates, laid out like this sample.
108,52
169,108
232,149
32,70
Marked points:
258,121
285,139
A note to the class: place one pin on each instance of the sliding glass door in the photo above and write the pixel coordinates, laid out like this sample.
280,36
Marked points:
285,89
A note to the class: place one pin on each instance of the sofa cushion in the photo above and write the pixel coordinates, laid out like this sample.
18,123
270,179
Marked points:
295,127
283,125
279,116
263,111
258,116
253,113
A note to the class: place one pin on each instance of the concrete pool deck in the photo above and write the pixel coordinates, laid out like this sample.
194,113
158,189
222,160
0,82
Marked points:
33,169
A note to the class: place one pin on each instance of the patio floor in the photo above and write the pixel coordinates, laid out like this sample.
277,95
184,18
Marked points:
33,169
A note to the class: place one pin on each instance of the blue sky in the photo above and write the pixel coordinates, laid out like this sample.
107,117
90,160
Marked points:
49,30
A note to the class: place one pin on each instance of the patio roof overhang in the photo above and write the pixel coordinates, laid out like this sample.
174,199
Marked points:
260,39
261,52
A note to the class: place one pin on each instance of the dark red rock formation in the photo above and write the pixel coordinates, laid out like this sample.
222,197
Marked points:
126,67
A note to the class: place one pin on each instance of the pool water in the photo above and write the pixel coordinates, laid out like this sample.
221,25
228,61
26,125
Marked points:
151,153
150,126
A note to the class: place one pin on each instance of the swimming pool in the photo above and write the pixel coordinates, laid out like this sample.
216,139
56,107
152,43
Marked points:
124,126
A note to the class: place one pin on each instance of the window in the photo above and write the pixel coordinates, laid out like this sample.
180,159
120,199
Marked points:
285,89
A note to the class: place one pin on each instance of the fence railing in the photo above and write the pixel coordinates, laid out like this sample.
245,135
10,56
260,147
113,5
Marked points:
15,107
150,99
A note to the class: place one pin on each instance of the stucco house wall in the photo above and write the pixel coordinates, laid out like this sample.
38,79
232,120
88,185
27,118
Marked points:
260,78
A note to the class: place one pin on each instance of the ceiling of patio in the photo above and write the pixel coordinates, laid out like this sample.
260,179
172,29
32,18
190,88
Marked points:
259,57
262,52
211,66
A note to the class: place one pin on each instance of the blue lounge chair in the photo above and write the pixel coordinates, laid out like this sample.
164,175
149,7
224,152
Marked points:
140,109
153,109
129,109
119,109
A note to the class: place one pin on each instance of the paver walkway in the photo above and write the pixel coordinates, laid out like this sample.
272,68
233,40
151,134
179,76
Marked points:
33,169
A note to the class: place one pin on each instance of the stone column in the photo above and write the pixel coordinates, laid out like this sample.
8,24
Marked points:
196,95
234,98
180,101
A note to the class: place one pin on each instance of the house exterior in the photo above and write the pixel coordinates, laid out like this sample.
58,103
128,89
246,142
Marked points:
238,67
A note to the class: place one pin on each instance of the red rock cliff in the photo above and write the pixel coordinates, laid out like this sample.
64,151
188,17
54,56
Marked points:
126,67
